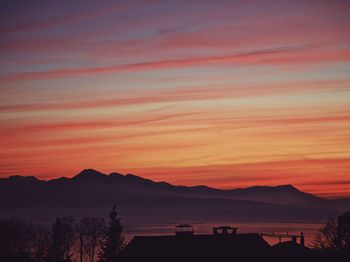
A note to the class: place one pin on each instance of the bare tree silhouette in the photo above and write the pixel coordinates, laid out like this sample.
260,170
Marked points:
40,244
326,238
90,230
343,231
15,239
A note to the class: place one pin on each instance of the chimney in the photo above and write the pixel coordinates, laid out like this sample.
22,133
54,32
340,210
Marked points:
184,230
225,230
302,239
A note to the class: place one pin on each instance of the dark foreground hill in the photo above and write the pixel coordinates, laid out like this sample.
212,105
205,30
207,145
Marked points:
141,200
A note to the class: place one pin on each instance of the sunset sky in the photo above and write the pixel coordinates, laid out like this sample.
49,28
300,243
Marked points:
222,93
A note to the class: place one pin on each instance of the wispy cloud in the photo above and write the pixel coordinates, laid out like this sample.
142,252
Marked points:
264,56
178,94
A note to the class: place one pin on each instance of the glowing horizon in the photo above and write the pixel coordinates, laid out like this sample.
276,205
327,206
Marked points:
221,93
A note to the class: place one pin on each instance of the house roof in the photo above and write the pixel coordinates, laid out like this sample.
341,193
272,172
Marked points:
291,248
196,248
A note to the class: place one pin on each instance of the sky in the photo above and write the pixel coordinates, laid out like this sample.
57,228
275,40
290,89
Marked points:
222,93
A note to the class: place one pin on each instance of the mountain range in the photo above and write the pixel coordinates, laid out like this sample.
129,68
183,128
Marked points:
144,201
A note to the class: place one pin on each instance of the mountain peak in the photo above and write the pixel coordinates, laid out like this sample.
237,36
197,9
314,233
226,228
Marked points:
89,173
287,187
21,179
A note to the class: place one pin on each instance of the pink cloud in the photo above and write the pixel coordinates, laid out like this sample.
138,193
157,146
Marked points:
286,55
189,93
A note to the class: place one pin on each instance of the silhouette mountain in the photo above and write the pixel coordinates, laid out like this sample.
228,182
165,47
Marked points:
283,194
89,174
141,199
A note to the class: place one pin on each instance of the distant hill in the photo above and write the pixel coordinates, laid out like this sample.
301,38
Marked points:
140,200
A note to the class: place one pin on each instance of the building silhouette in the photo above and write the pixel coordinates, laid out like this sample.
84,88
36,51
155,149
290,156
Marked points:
225,244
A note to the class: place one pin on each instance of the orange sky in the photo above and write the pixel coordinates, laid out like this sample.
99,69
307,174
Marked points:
221,93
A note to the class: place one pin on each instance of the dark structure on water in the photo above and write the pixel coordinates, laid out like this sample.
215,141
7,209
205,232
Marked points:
225,244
